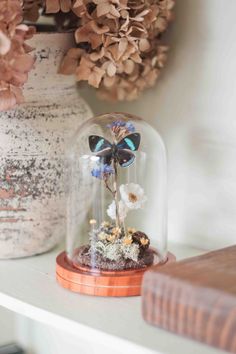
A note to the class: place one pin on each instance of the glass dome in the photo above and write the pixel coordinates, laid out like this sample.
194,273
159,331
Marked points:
116,189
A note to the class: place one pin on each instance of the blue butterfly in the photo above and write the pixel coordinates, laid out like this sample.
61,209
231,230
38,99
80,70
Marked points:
121,152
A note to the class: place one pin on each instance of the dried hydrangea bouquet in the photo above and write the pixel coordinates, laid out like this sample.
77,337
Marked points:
118,45
113,244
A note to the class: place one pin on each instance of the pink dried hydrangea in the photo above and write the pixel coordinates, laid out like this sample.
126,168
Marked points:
15,60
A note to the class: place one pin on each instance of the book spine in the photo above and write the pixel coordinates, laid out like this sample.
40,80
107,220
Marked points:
204,314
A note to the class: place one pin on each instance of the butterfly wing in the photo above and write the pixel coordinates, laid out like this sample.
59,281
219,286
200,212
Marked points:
102,147
105,156
125,158
98,143
130,142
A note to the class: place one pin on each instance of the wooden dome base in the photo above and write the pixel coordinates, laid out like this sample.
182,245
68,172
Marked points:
102,283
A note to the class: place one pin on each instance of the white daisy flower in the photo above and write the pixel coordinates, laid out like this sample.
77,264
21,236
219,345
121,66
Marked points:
111,210
132,195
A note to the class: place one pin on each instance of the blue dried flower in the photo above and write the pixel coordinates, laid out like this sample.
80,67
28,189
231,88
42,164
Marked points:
130,127
116,124
96,172
121,124
103,171
107,169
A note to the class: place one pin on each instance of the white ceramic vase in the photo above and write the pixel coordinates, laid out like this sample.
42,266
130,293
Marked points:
33,138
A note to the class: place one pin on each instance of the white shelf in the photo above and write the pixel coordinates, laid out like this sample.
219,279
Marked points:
28,287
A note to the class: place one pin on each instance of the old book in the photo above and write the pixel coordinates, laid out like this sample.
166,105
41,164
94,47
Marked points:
195,297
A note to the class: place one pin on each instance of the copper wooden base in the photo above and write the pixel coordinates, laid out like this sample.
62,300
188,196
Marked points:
102,283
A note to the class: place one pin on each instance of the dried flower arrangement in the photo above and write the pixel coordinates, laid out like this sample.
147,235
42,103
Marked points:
112,246
15,60
118,44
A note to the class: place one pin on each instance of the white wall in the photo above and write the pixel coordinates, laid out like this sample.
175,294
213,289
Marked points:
7,327
194,108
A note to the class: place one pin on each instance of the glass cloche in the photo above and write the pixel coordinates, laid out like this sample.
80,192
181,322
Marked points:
116,206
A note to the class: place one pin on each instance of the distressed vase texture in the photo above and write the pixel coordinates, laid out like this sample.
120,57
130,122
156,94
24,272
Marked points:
33,138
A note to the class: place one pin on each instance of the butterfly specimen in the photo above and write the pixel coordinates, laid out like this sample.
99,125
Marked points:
121,152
